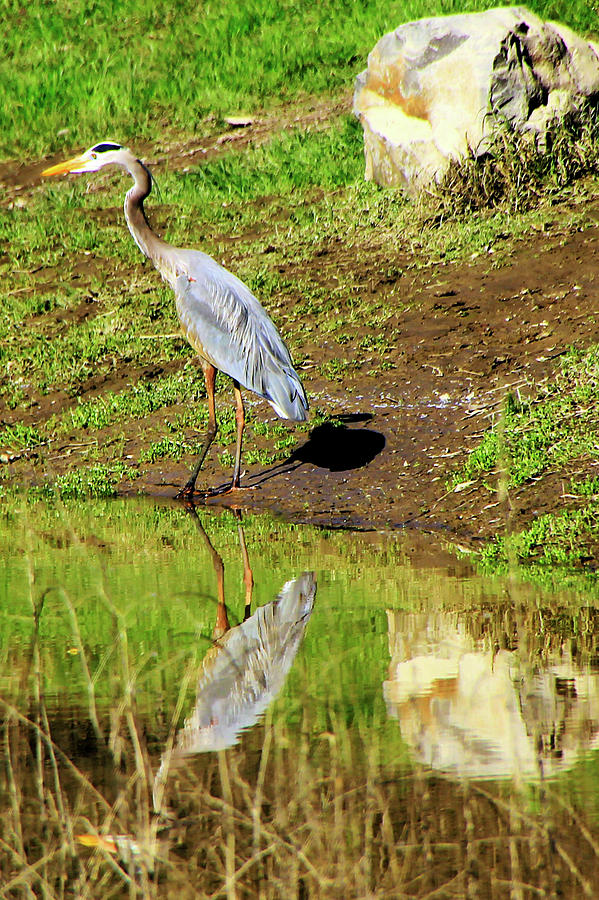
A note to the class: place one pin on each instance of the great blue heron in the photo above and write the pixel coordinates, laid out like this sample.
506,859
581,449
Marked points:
219,315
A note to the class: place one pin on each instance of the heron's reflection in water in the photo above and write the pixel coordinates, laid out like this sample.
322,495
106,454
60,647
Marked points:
246,667
471,711
239,677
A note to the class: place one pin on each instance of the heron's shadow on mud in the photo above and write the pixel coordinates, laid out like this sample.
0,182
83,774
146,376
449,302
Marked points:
336,447
332,446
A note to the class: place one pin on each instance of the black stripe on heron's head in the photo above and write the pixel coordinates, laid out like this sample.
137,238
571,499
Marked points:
105,147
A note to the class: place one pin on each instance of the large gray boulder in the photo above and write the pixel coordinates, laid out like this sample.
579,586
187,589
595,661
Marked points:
436,88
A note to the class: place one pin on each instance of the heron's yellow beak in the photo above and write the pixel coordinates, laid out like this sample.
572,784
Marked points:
63,168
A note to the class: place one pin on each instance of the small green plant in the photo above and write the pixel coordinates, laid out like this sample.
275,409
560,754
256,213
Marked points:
260,457
227,460
588,488
93,482
168,447
19,437
335,369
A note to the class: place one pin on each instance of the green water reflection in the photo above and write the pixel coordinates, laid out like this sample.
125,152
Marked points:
226,705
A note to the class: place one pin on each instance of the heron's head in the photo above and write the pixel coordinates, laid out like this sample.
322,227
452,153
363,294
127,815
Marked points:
104,154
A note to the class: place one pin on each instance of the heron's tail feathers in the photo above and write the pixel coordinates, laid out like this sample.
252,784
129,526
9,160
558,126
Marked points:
285,393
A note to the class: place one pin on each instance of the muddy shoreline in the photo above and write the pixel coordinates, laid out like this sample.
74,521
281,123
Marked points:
471,334
401,414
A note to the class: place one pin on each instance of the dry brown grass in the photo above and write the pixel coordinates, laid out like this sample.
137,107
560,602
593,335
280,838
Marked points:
517,171
286,815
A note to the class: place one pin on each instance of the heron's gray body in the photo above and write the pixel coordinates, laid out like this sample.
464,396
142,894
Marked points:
228,328
220,317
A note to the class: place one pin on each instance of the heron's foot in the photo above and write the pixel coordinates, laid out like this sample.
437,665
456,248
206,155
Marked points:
226,489
187,492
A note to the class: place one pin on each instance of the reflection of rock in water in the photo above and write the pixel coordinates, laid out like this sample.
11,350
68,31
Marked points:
246,668
483,714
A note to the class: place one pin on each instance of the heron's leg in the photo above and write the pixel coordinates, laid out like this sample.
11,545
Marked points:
222,619
240,419
210,378
248,576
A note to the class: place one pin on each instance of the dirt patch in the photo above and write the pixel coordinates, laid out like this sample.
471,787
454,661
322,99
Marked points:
469,333
18,178
462,335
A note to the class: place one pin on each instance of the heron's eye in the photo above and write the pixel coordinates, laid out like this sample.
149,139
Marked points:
94,155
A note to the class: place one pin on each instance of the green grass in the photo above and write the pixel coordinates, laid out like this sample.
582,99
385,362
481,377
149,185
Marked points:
137,402
554,431
93,483
19,436
295,160
128,70
111,408
87,482
589,487
167,447
557,425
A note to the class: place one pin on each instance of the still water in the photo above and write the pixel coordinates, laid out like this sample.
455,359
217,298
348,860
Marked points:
202,704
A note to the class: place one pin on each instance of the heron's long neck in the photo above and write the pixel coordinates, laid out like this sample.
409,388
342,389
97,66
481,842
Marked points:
148,242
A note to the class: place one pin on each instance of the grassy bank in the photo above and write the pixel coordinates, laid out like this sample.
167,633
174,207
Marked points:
71,75
551,433
96,384
96,316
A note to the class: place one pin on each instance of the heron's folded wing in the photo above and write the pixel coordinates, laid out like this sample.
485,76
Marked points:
227,326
